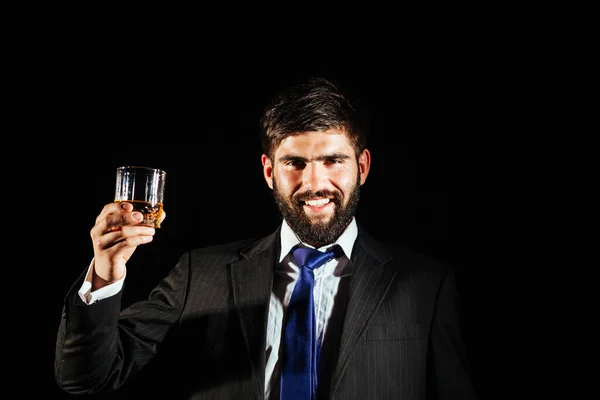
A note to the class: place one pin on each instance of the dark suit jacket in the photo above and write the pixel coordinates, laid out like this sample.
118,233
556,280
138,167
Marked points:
201,334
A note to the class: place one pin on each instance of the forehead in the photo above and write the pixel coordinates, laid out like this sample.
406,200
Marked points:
315,143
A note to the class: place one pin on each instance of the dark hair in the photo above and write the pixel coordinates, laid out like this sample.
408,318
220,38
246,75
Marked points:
316,104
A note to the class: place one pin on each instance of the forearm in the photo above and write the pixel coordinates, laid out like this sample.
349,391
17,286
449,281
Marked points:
87,346
99,345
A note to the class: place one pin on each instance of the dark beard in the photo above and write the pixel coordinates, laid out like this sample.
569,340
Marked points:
317,234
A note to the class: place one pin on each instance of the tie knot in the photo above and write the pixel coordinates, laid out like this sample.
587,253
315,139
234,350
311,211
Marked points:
313,258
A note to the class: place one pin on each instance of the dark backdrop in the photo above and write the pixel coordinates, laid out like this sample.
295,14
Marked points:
471,120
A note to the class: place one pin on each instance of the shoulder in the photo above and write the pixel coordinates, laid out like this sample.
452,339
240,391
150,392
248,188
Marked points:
399,256
235,250
405,257
227,252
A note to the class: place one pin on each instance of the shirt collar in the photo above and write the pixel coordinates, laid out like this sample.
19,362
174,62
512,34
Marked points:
289,239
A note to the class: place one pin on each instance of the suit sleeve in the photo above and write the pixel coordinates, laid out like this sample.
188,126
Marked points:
98,346
448,355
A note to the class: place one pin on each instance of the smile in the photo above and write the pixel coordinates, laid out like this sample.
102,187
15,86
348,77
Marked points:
317,203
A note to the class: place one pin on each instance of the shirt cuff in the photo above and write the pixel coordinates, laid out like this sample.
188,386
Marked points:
89,297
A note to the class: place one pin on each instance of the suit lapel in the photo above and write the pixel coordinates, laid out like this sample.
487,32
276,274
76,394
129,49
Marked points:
370,281
252,279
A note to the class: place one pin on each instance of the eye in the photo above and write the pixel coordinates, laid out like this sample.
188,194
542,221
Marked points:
334,160
294,163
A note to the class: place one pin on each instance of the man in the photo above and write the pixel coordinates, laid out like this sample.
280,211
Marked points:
219,325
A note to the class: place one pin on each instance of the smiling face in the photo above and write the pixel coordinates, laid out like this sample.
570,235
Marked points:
316,179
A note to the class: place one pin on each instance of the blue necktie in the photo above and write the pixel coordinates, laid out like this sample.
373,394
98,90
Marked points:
299,356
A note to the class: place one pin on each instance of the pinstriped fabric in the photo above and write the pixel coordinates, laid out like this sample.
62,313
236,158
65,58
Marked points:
395,321
205,328
389,349
368,285
252,282
189,328
208,293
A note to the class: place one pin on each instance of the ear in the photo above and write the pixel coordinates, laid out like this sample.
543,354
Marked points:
267,170
364,164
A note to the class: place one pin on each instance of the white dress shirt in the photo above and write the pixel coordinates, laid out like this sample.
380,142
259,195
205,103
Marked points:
327,285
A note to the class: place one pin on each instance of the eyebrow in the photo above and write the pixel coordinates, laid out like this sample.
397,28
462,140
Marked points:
323,157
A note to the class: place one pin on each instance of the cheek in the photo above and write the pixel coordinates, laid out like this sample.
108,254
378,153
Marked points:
344,178
287,180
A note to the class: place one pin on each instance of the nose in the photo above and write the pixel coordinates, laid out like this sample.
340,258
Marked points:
314,176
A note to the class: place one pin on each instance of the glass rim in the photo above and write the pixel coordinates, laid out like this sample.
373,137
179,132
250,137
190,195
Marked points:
142,167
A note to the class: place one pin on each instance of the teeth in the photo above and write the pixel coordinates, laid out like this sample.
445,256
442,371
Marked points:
317,203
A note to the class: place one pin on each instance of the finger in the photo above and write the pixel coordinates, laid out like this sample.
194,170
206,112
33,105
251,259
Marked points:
122,220
116,207
126,236
114,216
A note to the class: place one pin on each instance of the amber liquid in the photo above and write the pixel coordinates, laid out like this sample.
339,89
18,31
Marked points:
151,213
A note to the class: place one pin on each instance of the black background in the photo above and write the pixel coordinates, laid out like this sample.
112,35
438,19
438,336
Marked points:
473,112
